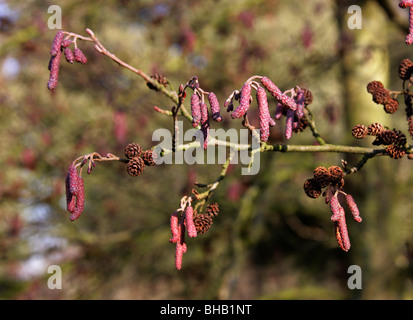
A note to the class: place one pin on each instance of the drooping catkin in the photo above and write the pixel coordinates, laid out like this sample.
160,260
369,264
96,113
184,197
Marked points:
57,43
277,94
264,114
353,208
174,227
244,101
342,232
79,56
189,220
214,104
204,124
54,71
80,200
195,110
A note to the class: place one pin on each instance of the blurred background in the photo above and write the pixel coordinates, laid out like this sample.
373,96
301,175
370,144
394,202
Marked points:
269,241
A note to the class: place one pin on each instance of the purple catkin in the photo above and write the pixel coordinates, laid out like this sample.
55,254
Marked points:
70,198
244,101
277,94
279,111
57,43
79,56
300,104
289,123
189,220
174,227
195,110
335,208
409,37
342,232
353,208
66,43
54,71
264,114
214,104
80,201
204,124
69,55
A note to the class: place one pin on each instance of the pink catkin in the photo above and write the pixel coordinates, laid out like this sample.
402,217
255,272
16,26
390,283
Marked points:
80,201
174,228
244,101
353,208
54,71
405,3
289,123
195,110
57,43
341,232
181,247
204,124
79,56
214,104
335,208
70,197
189,220
69,55
277,94
264,114
300,104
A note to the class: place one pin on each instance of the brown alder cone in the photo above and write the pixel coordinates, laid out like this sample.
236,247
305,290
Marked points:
336,174
322,176
202,223
405,69
312,189
135,166
374,129
149,157
391,106
359,131
133,150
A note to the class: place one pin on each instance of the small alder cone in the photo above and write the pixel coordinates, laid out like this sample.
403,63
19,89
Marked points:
359,131
395,152
385,137
212,210
322,176
149,157
336,174
135,167
312,189
391,106
133,150
373,86
405,69
401,138
202,223
375,129
381,96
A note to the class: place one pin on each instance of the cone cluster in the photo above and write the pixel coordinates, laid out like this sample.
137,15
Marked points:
322,178
138,159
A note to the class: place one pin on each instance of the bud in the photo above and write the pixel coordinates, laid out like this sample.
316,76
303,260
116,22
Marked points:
214,104
244,102
57,43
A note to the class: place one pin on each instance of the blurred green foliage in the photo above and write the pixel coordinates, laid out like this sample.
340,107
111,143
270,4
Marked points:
269,241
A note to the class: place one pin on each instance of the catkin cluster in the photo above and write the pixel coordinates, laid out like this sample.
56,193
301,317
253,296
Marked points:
61,44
